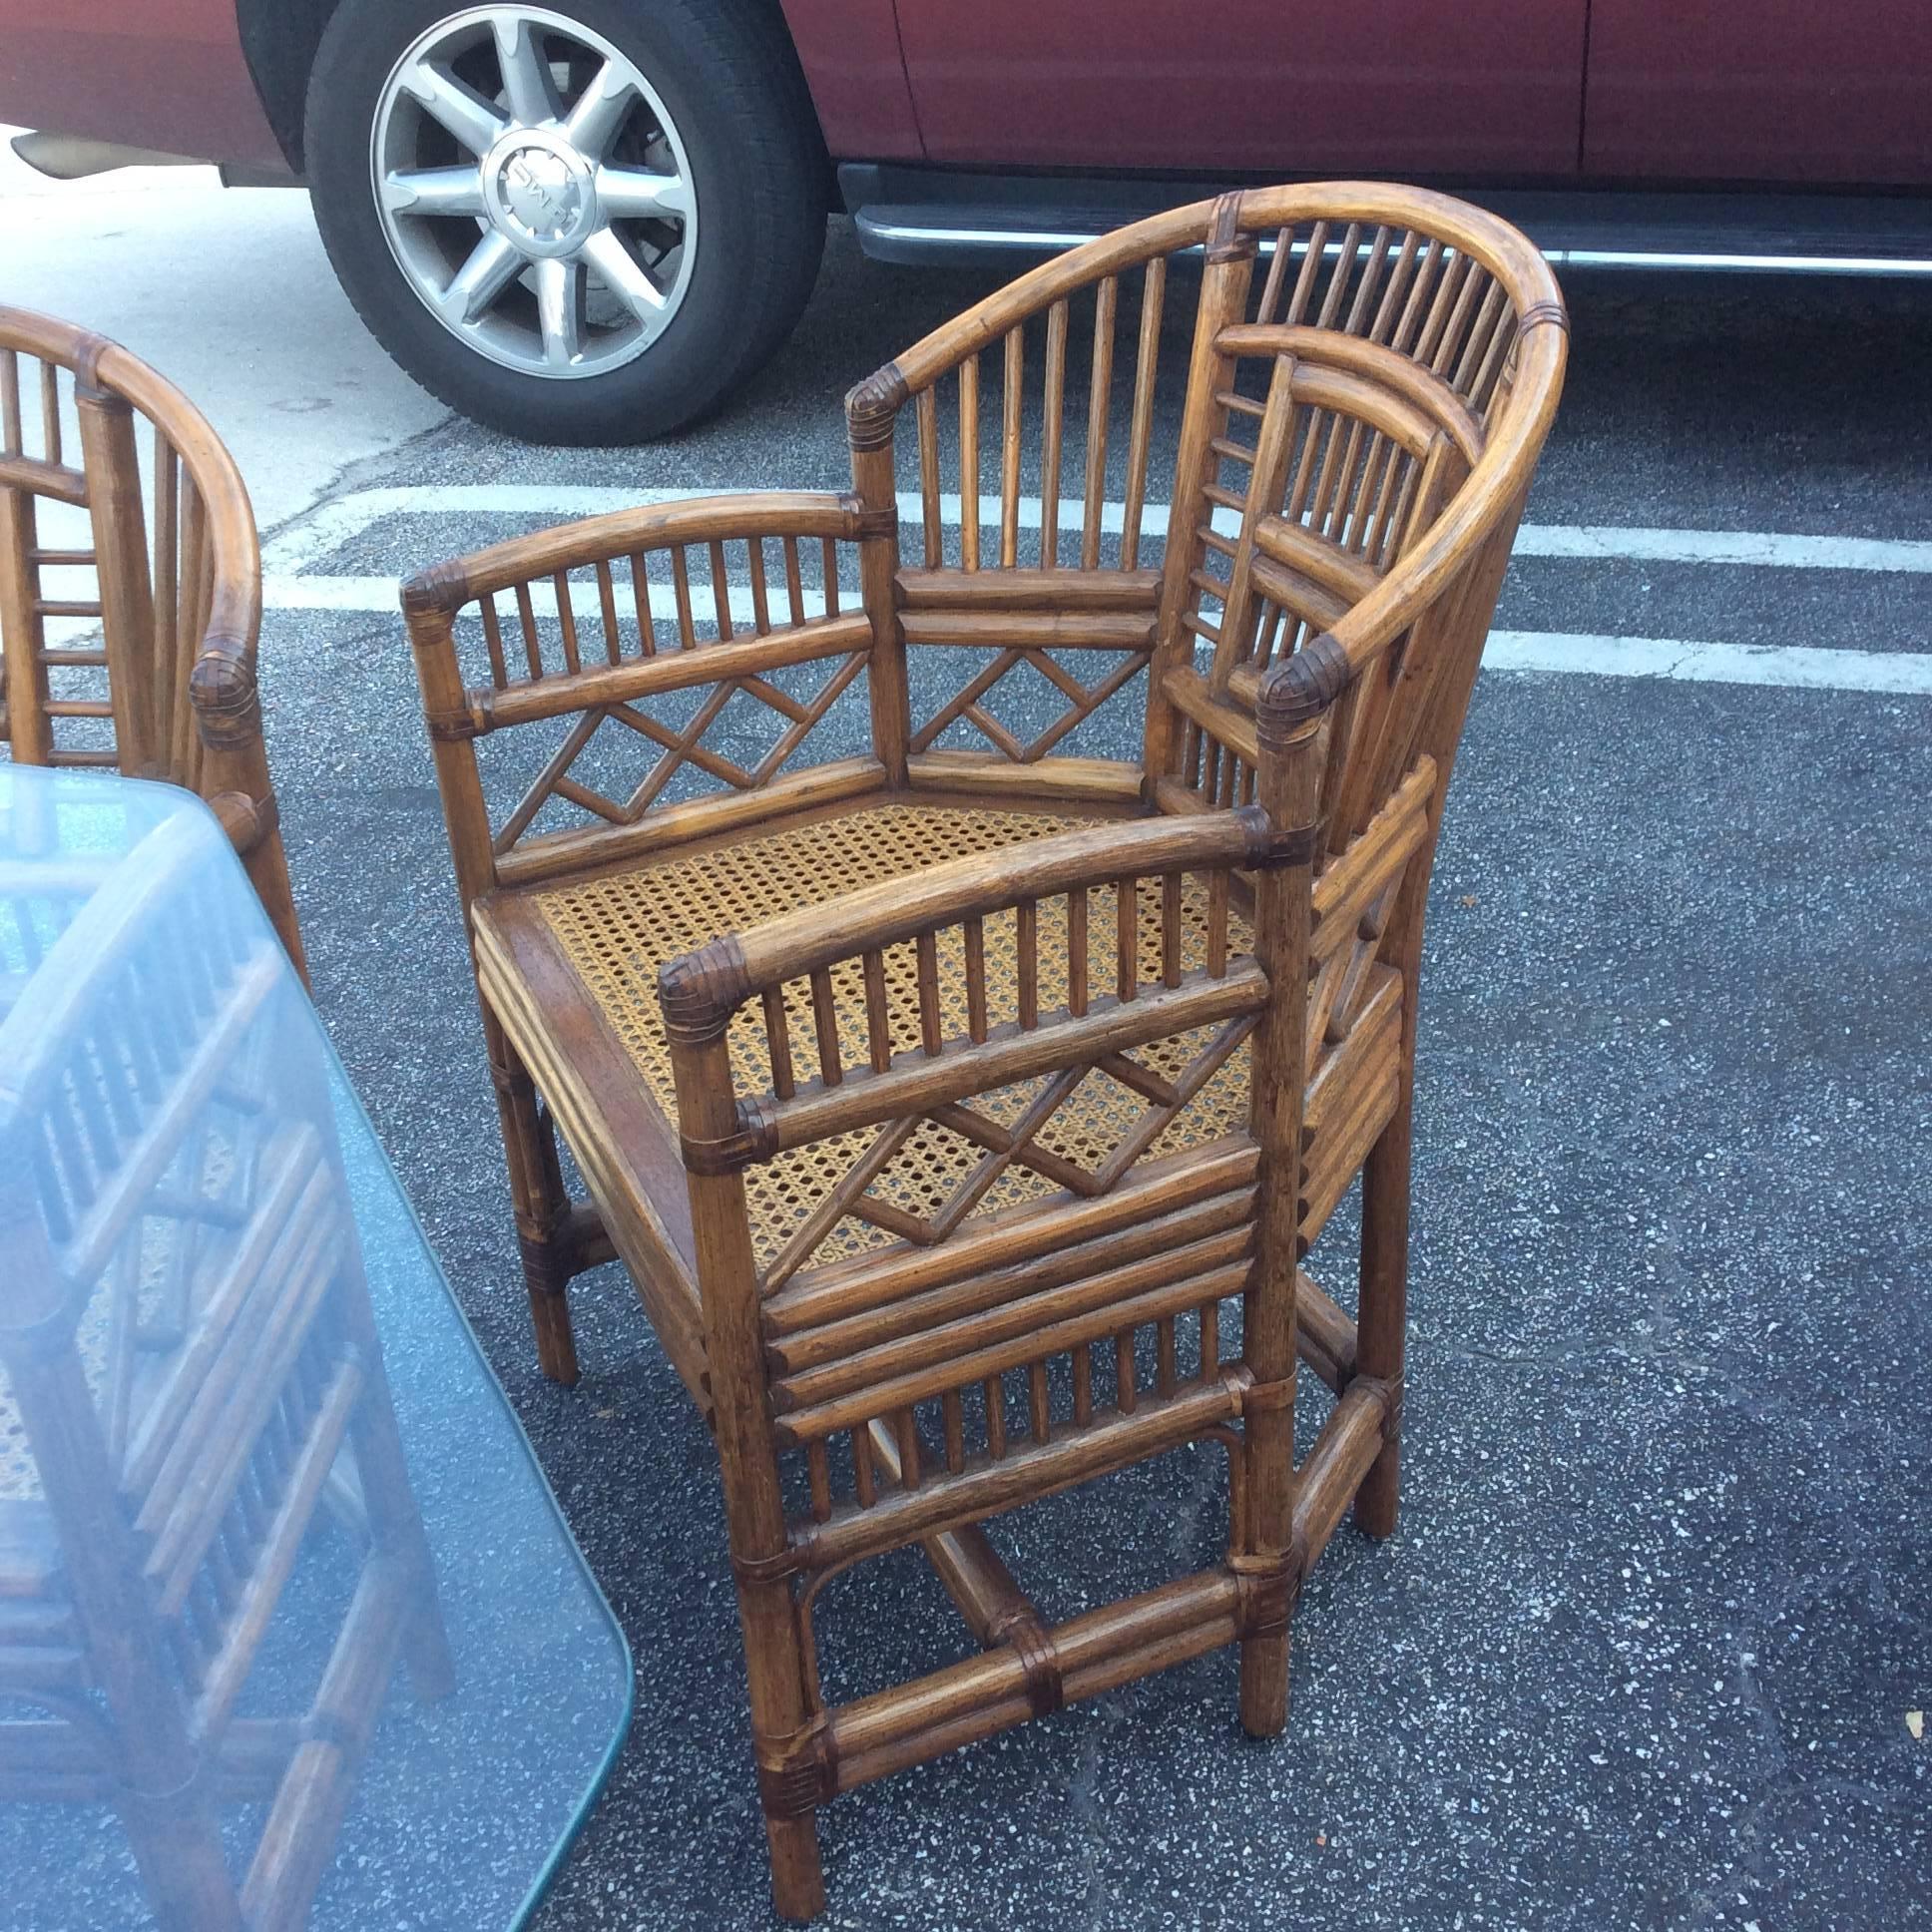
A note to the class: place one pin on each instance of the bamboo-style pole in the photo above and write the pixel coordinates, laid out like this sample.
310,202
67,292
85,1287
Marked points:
792,1775
1289,726
1224,298
869,425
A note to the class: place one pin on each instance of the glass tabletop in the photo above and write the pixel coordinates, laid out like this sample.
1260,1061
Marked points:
291,1632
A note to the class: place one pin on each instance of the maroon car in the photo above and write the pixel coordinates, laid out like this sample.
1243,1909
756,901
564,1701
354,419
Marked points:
589,220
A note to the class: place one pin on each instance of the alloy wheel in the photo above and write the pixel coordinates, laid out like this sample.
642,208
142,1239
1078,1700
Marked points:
534,190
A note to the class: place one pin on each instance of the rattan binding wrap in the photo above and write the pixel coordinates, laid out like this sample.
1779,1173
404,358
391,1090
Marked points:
618,928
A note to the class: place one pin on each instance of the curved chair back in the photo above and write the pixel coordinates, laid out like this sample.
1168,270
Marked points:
1371,374
130,585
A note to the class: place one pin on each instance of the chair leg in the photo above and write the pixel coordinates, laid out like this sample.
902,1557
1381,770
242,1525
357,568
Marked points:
1382,1323
797,1876
792,1768
389,1504
1264,1683
177,1848
541,1204
1268,1566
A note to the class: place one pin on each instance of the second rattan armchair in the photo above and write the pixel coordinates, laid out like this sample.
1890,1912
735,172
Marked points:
122,511
963,1102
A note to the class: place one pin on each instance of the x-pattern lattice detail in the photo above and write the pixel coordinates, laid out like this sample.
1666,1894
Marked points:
1022,1145
678,748
1082,702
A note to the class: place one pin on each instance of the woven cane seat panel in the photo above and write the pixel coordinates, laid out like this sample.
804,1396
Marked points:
617,929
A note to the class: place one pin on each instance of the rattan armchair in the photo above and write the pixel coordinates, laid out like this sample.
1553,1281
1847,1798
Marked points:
191,1388
964,1106
168,689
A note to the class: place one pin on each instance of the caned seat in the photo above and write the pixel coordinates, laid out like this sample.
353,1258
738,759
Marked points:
970,957
617,932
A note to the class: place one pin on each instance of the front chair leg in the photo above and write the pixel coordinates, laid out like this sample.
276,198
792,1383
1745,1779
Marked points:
1269,1560
791,1742
542,1206
1382,1327
797,1877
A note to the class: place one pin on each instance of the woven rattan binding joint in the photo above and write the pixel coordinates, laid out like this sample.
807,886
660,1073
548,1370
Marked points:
1390,1394
1022,1632
756,1139
221,688
798,1773
457,727
1539,314
872,407
1268,1586
699,992
1269,847
1300,688
1227,241
776,1568
1257,1396
441,587
868,523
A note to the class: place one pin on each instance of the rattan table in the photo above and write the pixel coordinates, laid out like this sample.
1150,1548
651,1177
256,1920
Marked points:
291,1632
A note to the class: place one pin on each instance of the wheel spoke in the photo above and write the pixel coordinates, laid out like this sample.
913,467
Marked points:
527,84
493,262
633,192
618,270
433,190
560,310
474,121
593,123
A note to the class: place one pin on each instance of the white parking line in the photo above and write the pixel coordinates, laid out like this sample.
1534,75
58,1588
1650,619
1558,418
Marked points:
1795,666
351,515
286,586
282,592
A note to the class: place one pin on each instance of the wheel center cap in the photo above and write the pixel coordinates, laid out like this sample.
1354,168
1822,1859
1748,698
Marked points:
540,195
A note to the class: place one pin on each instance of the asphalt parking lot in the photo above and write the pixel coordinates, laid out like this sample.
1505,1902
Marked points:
1641,1652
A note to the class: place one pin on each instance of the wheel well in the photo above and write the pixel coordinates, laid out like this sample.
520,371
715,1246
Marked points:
279,39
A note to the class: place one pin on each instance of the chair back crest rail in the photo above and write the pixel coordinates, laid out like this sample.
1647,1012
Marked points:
130,585
1401,336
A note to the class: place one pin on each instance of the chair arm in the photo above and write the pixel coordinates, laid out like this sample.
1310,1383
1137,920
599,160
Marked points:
700,990
445,587
1484,510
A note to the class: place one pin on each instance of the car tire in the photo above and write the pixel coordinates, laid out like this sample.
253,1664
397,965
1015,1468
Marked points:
593,284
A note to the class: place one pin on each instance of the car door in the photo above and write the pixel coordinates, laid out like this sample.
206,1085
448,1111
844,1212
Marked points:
1390,87
1761,90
